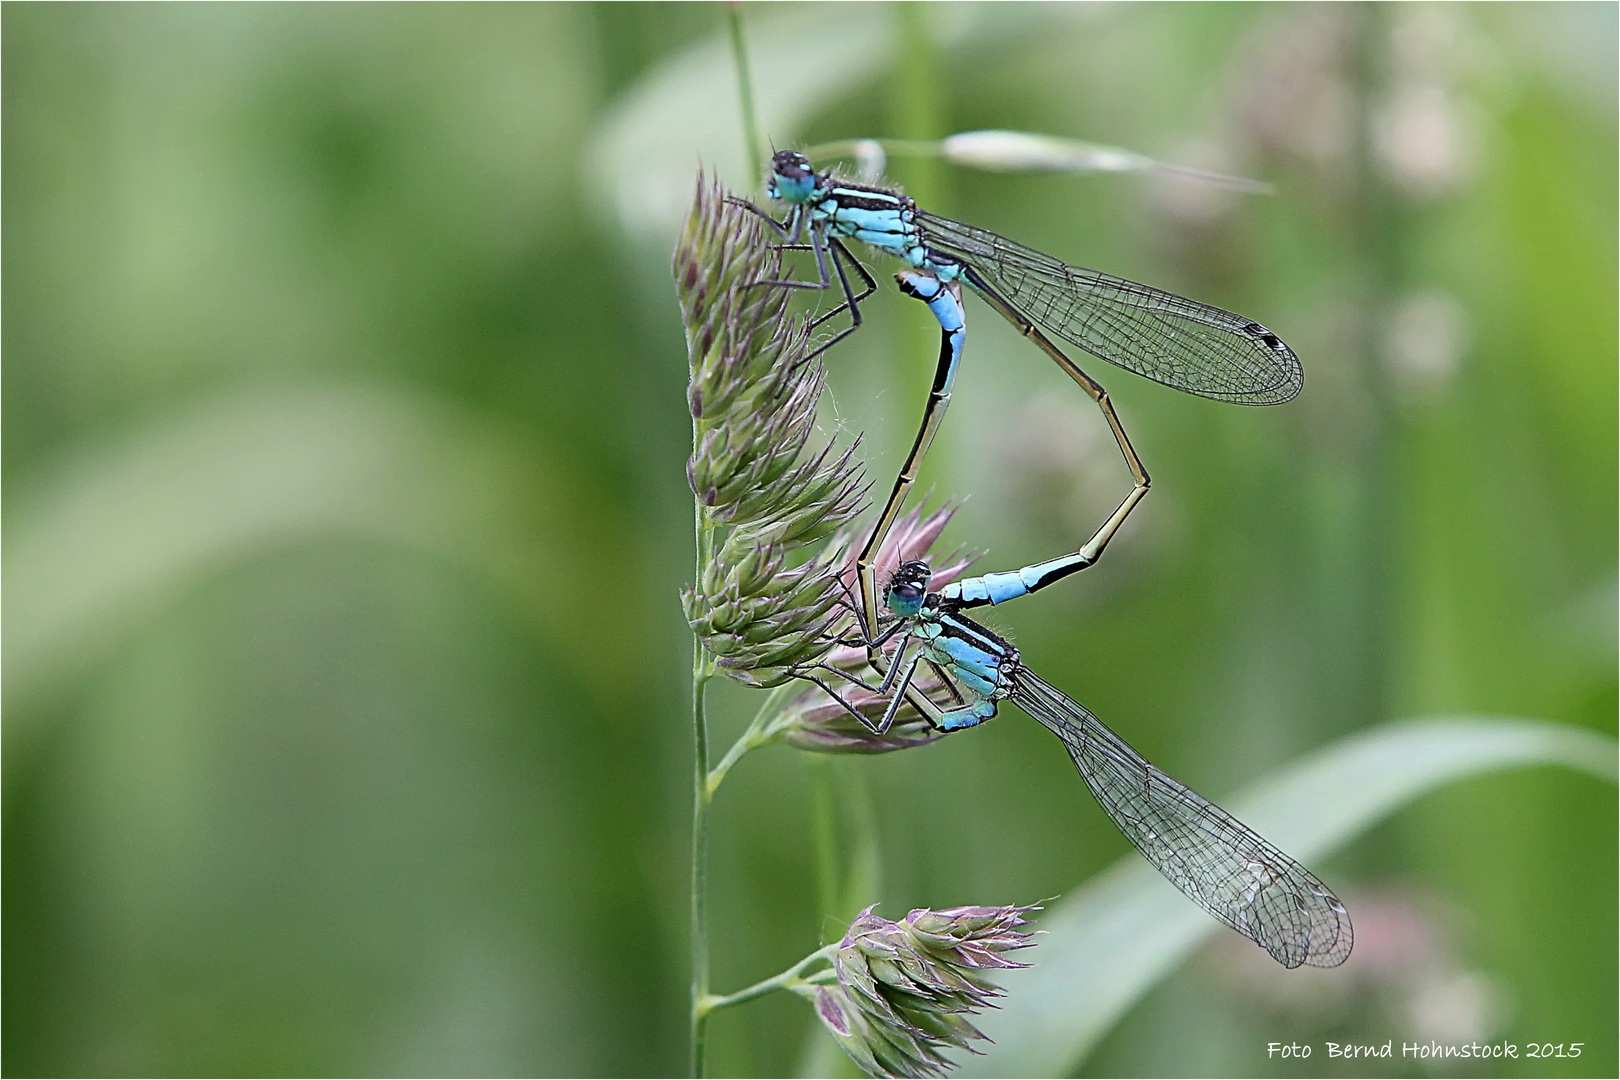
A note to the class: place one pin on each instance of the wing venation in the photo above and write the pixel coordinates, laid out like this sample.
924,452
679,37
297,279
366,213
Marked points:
1193,347
1221,864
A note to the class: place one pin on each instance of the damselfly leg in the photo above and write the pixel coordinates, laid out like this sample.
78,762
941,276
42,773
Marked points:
1215,860
1170,339
828,251
944,300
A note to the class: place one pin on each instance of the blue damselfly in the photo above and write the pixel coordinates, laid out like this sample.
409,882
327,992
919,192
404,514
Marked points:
1221,864
1181,343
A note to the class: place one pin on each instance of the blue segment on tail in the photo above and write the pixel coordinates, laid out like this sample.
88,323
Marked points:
1010,584
944,303
967,715
989,589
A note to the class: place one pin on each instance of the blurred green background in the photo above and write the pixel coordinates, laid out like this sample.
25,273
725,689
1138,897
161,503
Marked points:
345,689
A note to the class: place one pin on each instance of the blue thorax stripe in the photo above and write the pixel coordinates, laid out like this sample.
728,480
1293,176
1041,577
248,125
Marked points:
967,630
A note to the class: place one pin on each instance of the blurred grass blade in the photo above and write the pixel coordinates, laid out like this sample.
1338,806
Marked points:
684,111
109,536
1023,151
1109,942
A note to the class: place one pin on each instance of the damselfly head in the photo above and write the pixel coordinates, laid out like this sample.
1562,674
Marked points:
792,179
908,587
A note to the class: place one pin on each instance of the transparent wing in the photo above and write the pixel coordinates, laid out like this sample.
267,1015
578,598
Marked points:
1222,864
1193,347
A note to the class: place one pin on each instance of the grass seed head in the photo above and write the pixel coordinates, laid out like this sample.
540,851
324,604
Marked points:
761,606
905,989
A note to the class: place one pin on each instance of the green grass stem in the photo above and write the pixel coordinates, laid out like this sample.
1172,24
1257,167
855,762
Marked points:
702,672
745,93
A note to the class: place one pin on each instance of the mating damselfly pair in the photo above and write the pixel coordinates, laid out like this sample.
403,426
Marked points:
1225,867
